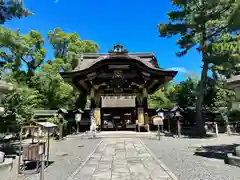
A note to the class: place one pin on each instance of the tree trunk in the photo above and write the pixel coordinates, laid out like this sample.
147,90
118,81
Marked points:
200,122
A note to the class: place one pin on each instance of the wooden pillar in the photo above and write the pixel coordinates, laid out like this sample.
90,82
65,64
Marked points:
145,106
92,107
92,99
98,110
140,116
146,118
95,106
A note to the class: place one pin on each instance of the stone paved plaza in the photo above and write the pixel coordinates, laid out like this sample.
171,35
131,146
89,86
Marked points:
181,157
121,158
126,156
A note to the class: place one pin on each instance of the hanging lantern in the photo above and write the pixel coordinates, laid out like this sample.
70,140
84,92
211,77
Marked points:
177,114
2,110
78,117
60,116
171,114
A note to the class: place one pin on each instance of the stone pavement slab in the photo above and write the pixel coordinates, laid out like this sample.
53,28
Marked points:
122,159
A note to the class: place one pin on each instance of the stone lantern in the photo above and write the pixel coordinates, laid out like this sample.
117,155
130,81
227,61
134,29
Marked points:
176,112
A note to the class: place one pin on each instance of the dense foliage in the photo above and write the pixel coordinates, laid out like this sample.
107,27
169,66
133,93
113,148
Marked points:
10,9
37,82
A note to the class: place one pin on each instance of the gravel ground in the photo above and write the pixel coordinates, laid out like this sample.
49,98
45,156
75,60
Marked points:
67,156
178,156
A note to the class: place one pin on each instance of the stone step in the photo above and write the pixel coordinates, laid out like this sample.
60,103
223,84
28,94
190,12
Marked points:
233,160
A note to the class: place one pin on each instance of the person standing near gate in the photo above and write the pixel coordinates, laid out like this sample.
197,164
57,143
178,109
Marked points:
93,123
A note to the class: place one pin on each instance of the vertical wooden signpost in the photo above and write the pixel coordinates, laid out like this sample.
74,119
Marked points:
158,120
42,167
60,116
178,117
158,132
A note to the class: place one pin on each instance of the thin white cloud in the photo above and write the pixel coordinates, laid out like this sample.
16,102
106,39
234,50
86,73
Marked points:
179,69
185,71
56,1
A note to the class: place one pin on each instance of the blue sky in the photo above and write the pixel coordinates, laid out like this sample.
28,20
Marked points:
131,23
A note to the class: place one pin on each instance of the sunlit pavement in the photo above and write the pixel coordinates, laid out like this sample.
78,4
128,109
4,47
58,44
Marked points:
122,155
122,158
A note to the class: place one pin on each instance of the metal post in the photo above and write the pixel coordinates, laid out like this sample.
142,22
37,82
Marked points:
216,128
32,132
42,167
60,130
228,130
20,151
158,132
179,128
48,147
77,127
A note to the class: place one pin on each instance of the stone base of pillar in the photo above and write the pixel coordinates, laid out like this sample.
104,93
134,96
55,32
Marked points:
147,127
99,128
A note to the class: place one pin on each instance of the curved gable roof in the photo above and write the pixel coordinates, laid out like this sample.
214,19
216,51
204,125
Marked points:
89,62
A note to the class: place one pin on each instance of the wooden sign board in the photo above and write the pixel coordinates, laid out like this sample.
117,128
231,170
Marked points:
157,120
118,101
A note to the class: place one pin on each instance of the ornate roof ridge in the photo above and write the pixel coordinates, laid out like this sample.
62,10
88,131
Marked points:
104,54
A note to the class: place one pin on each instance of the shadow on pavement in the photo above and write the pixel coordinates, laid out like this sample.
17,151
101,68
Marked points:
33,165
216,152
10,149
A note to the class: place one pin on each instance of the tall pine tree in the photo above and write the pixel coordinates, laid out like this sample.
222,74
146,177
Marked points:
10,9
200,23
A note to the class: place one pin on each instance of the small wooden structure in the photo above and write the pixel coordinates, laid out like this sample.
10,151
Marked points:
32,152
47,126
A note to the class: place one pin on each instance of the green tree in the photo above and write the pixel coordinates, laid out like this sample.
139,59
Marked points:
51,85
234,21
18,50
200,23
34,53
225,56
159,100
20,104
10,43
10,9
69,46
183,94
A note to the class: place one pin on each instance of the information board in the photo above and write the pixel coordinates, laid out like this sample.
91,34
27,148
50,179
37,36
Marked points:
118,101
157,120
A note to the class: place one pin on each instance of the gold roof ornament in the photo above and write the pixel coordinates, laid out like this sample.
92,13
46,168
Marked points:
118,49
